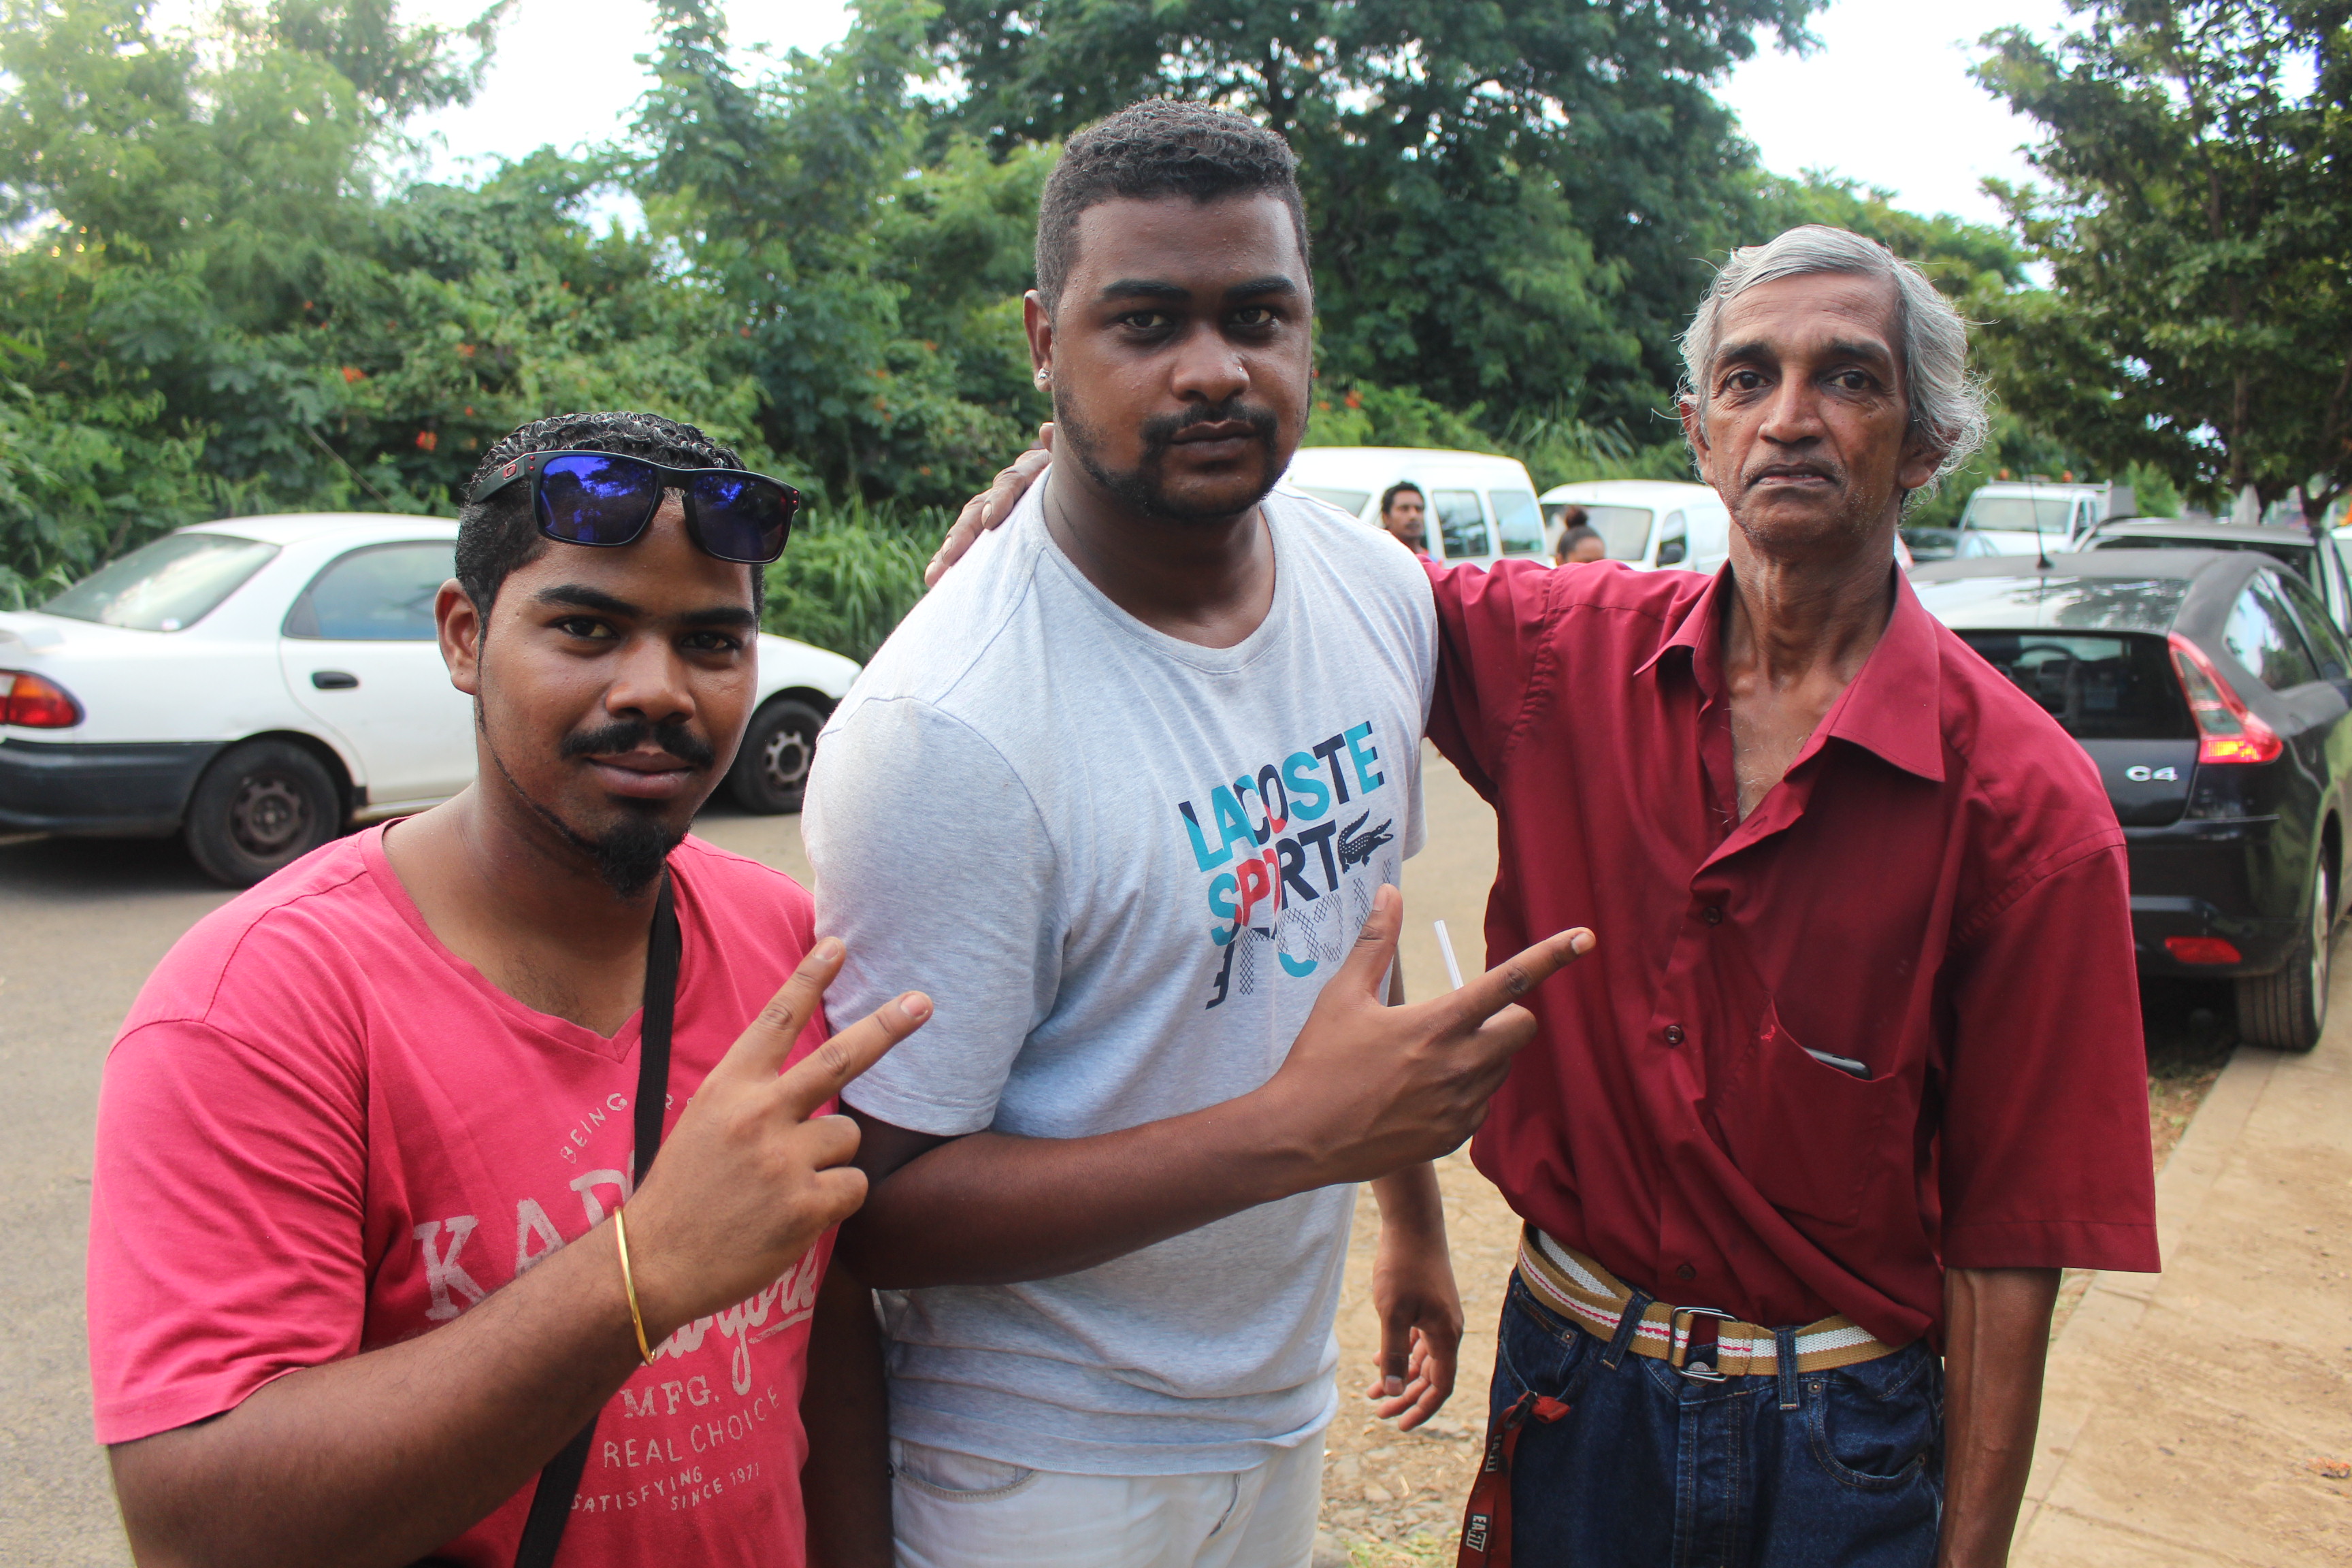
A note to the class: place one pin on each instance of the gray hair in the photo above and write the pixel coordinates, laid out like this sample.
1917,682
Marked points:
1948,404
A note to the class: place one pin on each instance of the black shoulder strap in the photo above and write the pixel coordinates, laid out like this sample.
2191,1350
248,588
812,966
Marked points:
559,1483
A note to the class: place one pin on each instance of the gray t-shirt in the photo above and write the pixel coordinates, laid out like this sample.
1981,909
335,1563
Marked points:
1123,866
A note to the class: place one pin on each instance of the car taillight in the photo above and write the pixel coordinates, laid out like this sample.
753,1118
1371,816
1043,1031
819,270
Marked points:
36,701
2226,730
2201,950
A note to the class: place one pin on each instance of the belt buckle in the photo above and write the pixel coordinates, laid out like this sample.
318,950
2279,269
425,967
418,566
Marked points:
1704,1372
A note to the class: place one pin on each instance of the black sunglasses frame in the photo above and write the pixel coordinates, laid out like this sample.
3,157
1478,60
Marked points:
531,466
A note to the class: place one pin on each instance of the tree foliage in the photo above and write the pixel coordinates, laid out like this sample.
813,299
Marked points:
219,296
2196,229
215,311
1507,198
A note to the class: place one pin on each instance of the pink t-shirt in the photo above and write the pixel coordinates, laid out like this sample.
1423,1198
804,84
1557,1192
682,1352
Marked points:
320,1132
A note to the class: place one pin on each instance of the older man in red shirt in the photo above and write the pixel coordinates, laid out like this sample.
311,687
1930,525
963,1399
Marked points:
1856,1067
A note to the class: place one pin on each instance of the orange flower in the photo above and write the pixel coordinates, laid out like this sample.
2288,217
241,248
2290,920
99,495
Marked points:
1354,399
464,350
427,440
353,373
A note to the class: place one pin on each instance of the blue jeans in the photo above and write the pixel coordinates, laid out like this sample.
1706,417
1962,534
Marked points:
1652,1469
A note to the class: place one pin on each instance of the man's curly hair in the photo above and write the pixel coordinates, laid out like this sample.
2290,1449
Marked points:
496,536
1159,148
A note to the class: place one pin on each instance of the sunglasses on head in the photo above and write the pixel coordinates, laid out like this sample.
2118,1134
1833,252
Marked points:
607,499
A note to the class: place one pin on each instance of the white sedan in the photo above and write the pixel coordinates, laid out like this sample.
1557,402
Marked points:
262,683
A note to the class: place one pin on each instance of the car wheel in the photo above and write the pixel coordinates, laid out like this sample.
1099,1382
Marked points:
2287,1010
771,772
259,807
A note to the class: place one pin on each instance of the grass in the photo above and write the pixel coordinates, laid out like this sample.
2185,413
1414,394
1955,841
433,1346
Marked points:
851,574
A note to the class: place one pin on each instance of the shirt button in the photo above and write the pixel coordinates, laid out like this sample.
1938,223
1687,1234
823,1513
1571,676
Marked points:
1712,914
1686,1272
1674,1033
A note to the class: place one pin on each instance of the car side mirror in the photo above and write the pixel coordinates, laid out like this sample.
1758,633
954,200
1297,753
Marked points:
1672,551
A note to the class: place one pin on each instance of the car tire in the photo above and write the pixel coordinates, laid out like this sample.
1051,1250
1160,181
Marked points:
260,806
771,772
2286,1010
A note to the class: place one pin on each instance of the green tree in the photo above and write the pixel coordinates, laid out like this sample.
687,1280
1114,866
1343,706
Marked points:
2198,236
216,311
874,292
1505,197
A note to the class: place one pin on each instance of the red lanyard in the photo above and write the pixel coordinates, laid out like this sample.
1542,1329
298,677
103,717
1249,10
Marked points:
1486,1522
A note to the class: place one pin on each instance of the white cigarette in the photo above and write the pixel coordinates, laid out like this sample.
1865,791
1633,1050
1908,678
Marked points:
1445,946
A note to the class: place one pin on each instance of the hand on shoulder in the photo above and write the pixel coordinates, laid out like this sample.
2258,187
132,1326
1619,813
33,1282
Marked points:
992,506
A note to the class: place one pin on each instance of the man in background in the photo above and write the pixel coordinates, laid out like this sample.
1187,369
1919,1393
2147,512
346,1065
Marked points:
1404,513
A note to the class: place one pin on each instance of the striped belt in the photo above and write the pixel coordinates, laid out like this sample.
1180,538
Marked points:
1699,1342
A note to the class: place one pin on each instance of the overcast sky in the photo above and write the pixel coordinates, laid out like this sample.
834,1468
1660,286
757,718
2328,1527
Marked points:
1886,99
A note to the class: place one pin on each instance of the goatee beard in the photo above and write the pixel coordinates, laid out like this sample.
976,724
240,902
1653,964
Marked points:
626,856
1142,488
630,854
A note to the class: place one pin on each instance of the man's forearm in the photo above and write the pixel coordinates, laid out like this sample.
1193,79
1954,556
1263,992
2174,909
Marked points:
1365,1090
989,1209
380,1458
1410,1201
1997,1342
845,1409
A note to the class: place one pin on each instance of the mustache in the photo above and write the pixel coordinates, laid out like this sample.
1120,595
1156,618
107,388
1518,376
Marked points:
628,734
1159,431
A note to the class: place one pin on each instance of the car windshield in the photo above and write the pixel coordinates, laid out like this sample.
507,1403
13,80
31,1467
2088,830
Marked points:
1625,528
165,586
2097,687
1350,502
2018,514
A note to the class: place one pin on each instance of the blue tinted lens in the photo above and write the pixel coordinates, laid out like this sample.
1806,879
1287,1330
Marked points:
743,517
595,498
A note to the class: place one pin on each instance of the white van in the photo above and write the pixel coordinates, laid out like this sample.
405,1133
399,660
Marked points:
1482,507
1648,523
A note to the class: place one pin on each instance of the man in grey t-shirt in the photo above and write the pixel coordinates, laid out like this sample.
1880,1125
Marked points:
1130,792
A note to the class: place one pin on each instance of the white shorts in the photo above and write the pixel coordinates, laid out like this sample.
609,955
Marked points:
953,1511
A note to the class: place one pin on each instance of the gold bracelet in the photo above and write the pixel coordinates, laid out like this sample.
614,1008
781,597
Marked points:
629,1284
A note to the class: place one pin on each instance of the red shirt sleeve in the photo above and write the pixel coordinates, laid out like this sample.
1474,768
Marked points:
227,1202
2045,1158
1491,639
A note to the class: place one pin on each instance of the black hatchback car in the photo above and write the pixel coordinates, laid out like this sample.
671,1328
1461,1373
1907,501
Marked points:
2214,692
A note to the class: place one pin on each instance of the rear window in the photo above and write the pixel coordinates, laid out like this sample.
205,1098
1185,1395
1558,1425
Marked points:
2299,561
164,586
1626,527
2097,687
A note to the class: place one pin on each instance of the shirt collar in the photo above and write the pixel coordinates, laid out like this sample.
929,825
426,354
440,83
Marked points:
1893,709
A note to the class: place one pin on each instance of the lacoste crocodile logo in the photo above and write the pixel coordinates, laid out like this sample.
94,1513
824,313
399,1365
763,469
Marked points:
1355,851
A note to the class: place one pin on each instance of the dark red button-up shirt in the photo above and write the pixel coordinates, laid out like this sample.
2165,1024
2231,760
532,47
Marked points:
1936,891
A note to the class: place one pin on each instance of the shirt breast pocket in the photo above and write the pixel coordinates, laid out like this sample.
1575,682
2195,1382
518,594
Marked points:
1806,1134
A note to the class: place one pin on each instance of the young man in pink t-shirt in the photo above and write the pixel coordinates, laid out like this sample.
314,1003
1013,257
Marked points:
367,1247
